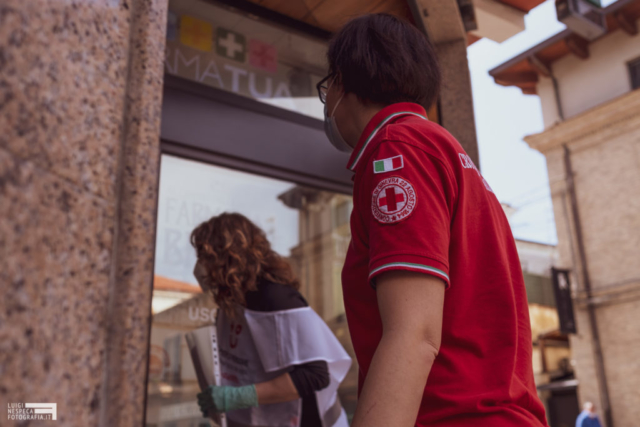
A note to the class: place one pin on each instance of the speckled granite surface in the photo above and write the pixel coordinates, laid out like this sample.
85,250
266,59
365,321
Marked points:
55,256
135,247
80,96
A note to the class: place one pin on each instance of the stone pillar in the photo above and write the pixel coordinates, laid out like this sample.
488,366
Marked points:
456,98
441,20
80,99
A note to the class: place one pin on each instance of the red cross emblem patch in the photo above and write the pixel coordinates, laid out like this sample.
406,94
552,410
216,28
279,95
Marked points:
393,200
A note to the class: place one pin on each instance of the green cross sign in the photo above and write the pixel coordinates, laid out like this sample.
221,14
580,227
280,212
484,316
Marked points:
231,45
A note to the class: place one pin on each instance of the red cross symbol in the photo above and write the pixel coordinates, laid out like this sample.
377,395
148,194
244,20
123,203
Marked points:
391,199
263,56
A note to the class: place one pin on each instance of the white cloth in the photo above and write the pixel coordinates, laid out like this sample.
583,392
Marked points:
259,346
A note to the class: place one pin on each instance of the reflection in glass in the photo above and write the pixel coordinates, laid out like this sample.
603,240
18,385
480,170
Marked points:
310,227
219,47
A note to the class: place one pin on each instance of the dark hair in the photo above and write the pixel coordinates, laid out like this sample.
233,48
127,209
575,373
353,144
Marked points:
236,254
383,60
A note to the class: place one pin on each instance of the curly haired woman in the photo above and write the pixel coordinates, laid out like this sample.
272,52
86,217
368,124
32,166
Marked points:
280,363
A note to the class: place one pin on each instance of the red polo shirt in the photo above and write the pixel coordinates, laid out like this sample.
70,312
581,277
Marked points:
421,205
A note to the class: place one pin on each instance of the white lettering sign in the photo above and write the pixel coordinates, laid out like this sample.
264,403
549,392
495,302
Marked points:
215,71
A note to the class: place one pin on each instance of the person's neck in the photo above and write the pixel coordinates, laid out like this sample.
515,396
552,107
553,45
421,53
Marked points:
359,117
363,120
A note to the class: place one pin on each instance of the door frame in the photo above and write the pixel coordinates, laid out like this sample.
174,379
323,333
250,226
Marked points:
182,139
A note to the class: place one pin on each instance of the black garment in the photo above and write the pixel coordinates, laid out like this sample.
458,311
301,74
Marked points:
309,377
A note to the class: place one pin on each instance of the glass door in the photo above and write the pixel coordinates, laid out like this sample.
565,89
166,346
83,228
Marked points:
309,227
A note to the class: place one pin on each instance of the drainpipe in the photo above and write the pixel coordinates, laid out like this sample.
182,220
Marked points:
546,71
593,325
556,93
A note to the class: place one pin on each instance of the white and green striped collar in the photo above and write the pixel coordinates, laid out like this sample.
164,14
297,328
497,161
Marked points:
353,162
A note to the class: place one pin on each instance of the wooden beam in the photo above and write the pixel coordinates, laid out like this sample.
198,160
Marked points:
472,38
517,79
522,5
578,46
534,50
628,26
539,66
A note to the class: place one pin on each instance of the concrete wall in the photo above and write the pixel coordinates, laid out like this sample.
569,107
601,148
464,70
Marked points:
80,94
497,21
584,84
605,151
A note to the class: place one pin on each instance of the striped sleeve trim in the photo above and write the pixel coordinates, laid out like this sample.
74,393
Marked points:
409,266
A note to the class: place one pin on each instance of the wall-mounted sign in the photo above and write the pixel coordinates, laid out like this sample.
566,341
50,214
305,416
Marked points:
231,45
263,56
226,60
172,26
214,70
227,50
564,304
200,35
196,33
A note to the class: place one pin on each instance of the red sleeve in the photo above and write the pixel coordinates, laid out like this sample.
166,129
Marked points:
411,200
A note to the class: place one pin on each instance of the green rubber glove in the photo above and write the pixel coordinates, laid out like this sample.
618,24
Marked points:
227,398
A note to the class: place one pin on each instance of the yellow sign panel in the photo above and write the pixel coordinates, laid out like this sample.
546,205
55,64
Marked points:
196,33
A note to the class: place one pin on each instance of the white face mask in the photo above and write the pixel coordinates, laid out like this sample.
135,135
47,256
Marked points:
331,129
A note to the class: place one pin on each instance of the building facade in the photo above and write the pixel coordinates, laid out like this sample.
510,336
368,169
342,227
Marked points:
591,108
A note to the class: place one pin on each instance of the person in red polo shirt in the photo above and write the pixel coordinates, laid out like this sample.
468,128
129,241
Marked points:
433,289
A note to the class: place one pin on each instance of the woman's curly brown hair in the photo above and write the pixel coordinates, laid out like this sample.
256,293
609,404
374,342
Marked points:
236,255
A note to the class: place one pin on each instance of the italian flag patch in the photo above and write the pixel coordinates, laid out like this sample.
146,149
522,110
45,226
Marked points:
388,165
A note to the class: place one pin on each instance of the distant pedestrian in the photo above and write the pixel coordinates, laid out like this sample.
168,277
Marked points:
588,416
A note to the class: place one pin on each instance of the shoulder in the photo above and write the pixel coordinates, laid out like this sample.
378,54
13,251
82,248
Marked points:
424,135
413,157
580,421
421,142
271,296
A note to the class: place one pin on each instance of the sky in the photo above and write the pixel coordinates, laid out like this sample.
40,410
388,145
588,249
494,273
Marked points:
517,174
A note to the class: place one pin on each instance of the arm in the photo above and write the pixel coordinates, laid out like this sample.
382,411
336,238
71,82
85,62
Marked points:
277,390
224,398
303,381
411,306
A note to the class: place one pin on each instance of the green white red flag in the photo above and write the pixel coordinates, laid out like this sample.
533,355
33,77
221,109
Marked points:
387,165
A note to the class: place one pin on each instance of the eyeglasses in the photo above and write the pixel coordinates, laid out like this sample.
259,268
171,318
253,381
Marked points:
323,88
